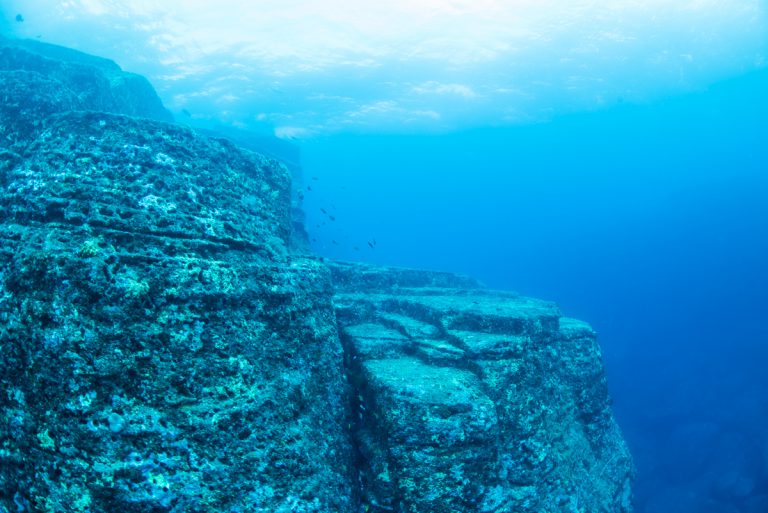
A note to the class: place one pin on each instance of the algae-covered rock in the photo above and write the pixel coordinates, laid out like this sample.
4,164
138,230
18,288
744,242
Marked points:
470,400
144,182
159,348
39,79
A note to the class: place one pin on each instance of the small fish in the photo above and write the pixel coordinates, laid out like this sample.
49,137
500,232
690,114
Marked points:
335,243
309,188
332,218
314,178
356,248
20,18
323,211
371,244
186,113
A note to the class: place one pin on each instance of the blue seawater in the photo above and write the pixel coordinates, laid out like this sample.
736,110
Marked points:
650,221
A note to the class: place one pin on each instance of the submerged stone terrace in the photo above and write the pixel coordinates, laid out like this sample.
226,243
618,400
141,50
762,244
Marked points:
162,347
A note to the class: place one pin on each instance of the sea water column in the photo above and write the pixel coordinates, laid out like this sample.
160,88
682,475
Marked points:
160,350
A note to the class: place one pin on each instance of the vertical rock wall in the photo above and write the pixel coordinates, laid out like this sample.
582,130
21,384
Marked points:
470,400
160,350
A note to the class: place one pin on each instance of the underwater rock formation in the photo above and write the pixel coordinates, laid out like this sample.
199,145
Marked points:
469,399
163,349
160,350
38,79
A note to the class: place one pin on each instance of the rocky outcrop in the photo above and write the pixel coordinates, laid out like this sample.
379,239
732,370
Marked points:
471,400
286,152
163,348
38,79
161,351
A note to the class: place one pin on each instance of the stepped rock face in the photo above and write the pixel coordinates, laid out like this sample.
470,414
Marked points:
470,400
163,348
159,348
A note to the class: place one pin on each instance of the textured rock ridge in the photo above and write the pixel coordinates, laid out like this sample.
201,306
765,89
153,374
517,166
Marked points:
165,348
37,80
160,349
475,400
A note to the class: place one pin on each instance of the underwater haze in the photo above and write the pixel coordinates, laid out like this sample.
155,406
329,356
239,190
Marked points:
609,156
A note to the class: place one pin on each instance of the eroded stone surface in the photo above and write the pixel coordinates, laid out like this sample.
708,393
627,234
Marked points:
475,400
160,348
39,79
